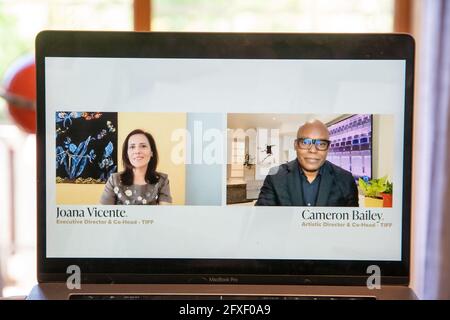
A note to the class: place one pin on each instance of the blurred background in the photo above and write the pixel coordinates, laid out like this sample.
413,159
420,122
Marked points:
21,20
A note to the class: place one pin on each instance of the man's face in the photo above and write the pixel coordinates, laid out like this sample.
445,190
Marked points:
309,157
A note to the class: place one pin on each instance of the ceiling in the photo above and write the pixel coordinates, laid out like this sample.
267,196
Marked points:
284,122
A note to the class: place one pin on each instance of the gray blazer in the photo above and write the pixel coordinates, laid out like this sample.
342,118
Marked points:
282,187
150,194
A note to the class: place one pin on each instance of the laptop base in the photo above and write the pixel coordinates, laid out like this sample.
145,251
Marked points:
59,291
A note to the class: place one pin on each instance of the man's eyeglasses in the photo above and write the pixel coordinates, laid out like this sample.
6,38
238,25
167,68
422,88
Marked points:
306,143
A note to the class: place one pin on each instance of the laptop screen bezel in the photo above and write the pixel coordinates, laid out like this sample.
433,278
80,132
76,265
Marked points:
223,46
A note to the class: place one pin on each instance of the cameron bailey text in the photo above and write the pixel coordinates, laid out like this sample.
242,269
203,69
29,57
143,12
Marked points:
364,215
90,212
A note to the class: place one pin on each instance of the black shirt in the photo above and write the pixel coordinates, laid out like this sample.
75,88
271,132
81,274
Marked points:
310,190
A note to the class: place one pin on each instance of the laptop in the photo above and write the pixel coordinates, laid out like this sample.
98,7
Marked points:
223,165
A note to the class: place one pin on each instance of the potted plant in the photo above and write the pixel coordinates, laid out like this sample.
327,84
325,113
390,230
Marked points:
373,191
387,195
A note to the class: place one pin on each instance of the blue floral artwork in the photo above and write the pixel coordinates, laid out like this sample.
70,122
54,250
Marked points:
86,146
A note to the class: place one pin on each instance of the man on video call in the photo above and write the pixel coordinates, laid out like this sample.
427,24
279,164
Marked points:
309,180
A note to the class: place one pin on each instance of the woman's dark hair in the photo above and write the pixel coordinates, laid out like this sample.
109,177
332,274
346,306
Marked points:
151,176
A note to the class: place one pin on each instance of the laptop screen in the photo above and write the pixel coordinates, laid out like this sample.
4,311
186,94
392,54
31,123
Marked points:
225,158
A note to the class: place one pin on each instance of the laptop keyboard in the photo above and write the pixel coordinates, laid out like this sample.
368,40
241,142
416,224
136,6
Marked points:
211,297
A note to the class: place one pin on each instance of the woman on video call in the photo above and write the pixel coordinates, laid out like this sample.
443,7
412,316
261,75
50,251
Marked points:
139,183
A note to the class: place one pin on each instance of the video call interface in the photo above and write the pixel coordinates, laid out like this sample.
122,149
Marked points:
249,157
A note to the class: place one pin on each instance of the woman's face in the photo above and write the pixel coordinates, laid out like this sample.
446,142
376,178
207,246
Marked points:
139,151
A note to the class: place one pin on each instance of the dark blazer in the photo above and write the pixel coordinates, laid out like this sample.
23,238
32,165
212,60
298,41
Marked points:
282,187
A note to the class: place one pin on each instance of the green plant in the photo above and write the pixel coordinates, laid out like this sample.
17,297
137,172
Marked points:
389,187
375,187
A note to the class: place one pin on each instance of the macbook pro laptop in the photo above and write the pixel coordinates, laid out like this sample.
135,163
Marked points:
223,165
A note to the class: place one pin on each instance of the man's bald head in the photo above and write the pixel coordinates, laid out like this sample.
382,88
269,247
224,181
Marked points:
314,129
